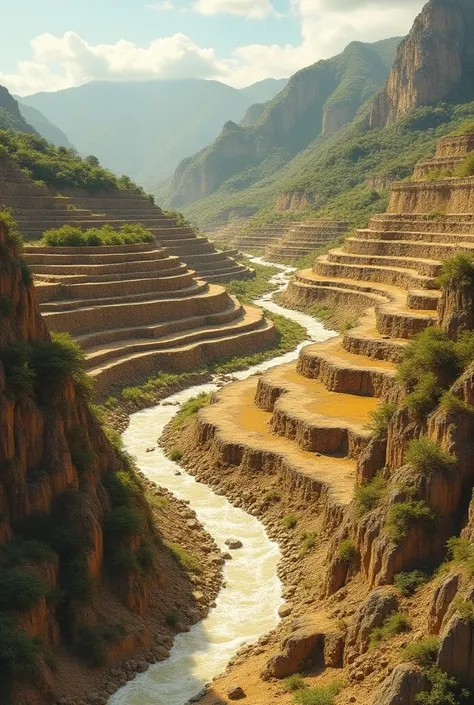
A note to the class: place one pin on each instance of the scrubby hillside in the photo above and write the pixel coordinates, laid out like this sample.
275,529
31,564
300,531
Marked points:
10,115
347,175
144,129
318,101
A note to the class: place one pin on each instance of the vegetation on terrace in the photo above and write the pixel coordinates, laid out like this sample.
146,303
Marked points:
70,236
59,167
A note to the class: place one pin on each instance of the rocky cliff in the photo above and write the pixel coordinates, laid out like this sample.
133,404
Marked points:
80,558
10,115
431,64
316,102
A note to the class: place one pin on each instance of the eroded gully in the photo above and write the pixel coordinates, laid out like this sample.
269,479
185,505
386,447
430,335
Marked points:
247,607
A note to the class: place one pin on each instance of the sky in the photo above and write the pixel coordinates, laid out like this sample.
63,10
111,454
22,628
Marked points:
48,45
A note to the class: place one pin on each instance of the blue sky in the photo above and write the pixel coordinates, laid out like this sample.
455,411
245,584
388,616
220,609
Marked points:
53,44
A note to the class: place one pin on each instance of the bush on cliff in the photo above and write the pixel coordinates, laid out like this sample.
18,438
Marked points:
427,456
17,650
369,495
431,364
71,236
403,516
380,419
457,272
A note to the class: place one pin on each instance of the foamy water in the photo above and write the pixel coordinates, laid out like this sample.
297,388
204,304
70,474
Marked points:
248,607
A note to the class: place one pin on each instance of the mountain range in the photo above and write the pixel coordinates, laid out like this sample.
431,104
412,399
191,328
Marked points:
144,129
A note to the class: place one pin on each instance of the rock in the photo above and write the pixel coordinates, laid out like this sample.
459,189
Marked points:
142,666
93,697
371,614
401,687
151,449
236,693
192,524
456,653
440,601
199,597
233,544
111,688
227,556
303,646
285,611
216,559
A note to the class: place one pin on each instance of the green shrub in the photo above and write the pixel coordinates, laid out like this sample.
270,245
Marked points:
393,625
426,456
20,590
172,618
454,405
71,236
187,562
124,488
190,408
82,453
272,496
89,646
370,495
17,650
145,557
461,551
467,167
75,580
176,455
347,551
422,652
294,683
122,559
380,419
19,551
308,542
409,583
319,695
122,522
465,608
19,373
26,275
290,521
457,271
402,516
444,690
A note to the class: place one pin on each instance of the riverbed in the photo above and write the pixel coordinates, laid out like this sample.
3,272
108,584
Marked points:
247,607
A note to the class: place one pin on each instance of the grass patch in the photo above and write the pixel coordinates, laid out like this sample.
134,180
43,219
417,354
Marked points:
403,516
290,521
272,496
159,386
409,583
249,289
175,455
426,456
465,608
319,695
461,552
308,542
71,236
294,683
422,652
370,495
394,624
190,408
188,562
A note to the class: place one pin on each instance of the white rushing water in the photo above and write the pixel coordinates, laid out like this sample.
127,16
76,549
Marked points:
248,607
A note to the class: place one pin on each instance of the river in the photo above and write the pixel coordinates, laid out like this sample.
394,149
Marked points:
247,608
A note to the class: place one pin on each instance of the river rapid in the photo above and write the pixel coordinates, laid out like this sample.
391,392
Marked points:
247,608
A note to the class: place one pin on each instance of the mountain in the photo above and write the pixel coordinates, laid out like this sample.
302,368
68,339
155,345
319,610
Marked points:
10,115
317,102
43,126
143,129
347,175
434,61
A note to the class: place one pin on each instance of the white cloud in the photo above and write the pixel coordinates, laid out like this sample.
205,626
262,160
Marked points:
327,26
163,6
61,62
253,9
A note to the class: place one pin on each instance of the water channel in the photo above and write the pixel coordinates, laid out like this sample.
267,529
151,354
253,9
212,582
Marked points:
247,607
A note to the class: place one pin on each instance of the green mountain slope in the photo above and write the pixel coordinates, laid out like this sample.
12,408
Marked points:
143,129
316,103
10,115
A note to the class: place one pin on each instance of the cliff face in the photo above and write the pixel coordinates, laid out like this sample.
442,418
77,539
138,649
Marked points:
431,63
317,102
74,525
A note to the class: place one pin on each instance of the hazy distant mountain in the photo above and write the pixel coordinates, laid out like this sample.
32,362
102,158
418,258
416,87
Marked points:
144,129
43,126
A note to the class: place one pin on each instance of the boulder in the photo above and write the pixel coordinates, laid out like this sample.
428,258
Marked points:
440,601
456,653
233,544
236,693
401,687
372,613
